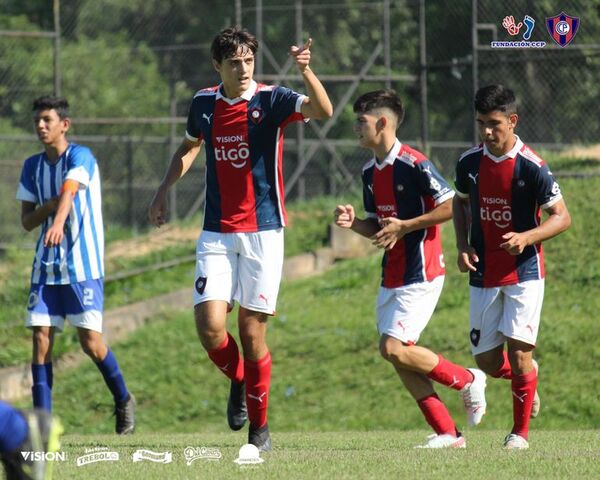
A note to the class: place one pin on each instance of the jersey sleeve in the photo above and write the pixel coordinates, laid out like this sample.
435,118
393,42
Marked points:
461,180
432,183
286,105
547,188
26,190
81,164
368,197
192,129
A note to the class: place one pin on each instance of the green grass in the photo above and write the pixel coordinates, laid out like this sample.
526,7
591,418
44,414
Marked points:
340,455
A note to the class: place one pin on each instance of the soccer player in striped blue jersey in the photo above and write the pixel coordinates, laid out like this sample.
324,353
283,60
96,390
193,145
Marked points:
59,190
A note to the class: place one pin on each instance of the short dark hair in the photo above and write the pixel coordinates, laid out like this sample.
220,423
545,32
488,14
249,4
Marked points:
229,40
495,97
380,99
50,102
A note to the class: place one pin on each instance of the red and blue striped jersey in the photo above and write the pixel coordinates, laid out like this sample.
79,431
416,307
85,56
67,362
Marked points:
505,194
407,185
244,152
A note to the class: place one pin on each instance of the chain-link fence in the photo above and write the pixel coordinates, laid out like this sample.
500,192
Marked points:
130,70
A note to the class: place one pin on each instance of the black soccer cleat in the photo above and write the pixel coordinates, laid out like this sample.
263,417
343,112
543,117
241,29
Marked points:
260,438
125,416
237,413
43,435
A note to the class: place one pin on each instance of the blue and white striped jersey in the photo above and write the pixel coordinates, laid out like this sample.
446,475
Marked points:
80,256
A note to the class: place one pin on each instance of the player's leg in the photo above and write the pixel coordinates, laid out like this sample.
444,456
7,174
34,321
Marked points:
259,276
520,324
216,268
44,314
420,387
84,304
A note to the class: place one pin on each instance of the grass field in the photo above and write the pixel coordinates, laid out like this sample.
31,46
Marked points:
339,455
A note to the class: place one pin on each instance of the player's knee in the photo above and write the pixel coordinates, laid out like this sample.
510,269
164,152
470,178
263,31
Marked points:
41,340
392,350
93,349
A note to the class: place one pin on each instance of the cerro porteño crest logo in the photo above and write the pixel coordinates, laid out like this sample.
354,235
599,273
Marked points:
562,28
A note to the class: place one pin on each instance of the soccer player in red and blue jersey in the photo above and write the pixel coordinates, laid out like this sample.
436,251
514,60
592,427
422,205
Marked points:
240,250
405,200
502,185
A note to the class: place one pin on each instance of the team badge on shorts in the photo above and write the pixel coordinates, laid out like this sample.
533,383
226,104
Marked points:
475,336
200,285
562,28
33,300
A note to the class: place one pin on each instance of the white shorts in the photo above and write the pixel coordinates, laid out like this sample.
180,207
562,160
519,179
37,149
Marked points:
245,267
404,312
510,311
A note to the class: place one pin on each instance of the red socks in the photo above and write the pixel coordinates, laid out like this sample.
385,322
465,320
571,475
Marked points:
505,370
227,357
437,415
450,374
258,382
523,391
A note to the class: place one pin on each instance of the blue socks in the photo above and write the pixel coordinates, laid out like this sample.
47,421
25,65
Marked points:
42,385
13,428
113,377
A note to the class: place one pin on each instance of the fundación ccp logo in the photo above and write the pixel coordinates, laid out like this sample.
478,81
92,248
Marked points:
513,29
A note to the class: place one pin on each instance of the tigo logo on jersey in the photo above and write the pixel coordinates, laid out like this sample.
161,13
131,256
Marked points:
491,213
562,28
233,149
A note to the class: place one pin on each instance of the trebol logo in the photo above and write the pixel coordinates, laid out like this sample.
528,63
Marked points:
205,453
156,457
496,210
98,454
232,148
44,456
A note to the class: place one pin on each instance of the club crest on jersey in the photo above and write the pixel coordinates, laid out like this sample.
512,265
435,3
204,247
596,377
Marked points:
256,114
562,28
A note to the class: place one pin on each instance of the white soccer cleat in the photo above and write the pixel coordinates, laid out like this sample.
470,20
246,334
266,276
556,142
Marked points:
473,397
444,441
515,442
537,403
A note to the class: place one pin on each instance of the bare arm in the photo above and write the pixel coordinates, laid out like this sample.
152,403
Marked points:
393,229
461,217
181,162
557,222
346,218
317,105
31,217
56,232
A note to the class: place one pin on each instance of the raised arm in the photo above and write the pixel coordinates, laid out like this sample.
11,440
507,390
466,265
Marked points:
181,162
317,105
